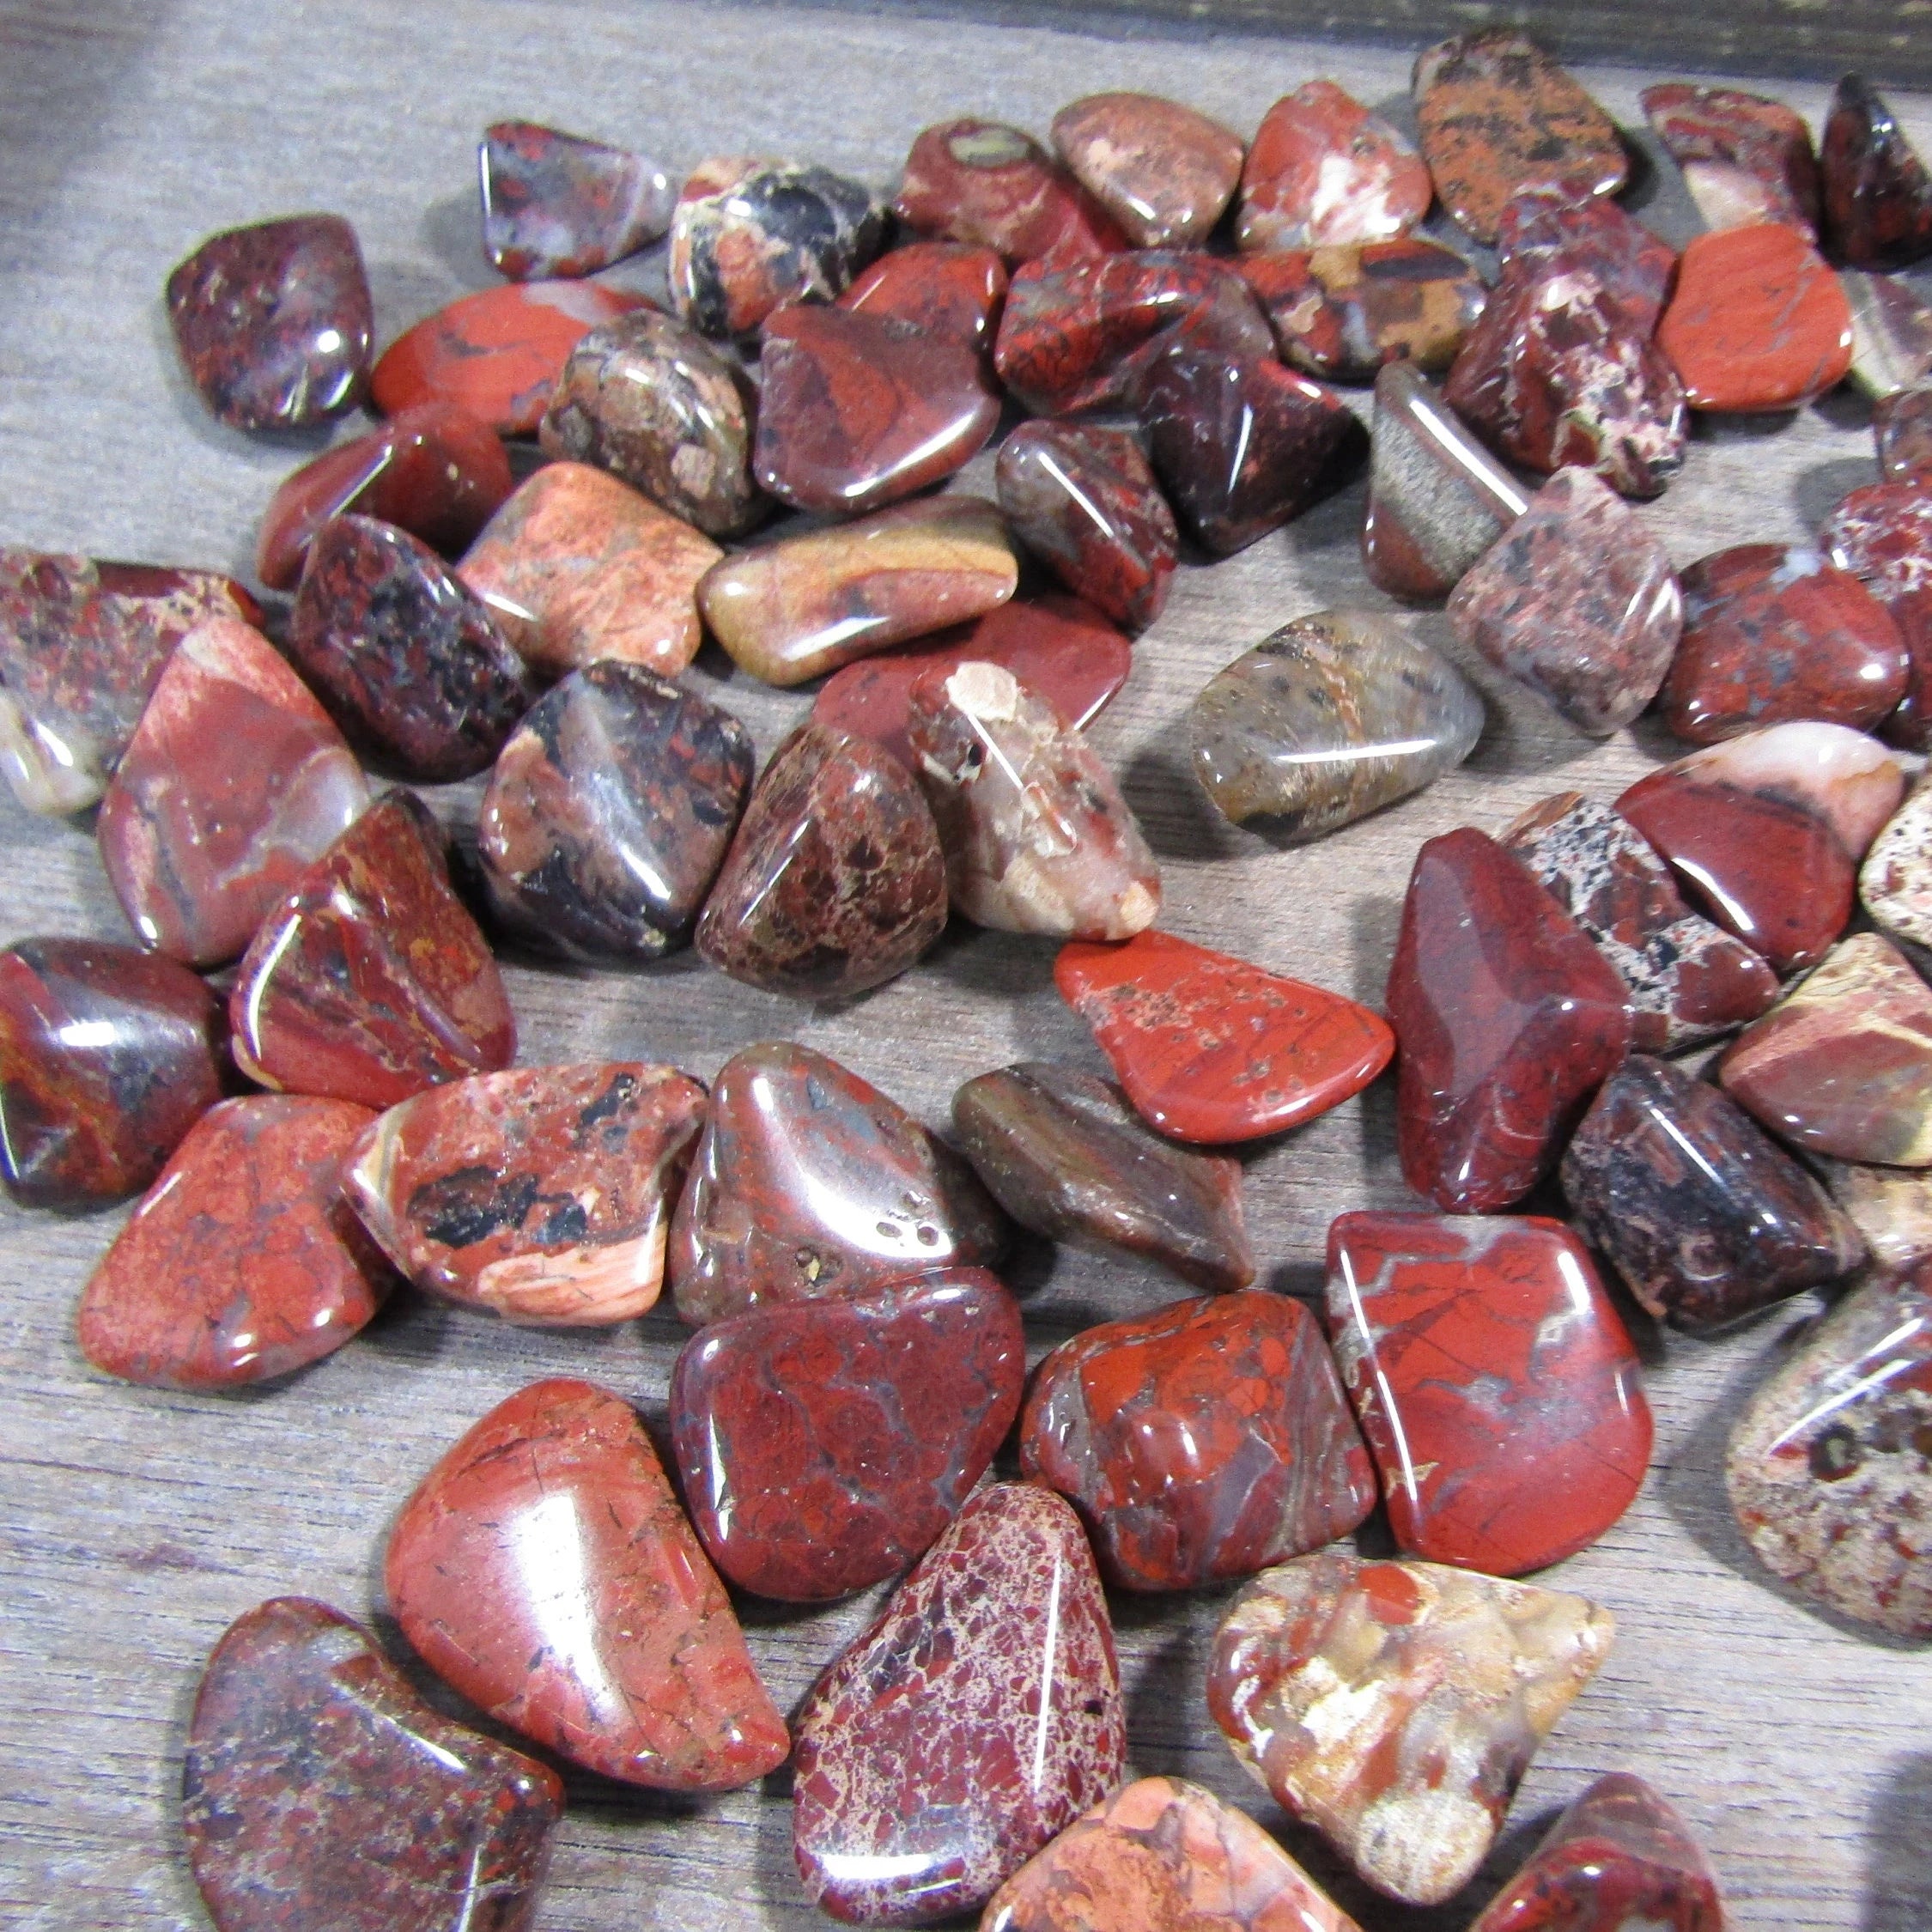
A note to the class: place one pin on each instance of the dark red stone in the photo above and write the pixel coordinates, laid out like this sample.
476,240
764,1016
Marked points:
1558,227
943,287
1744,158
1878,196
319,1789
555,205
1882,533
1506,1019
1902,430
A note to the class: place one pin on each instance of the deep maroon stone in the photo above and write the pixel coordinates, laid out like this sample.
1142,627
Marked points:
555,205
1552,228
1878,196
942,287
1882,533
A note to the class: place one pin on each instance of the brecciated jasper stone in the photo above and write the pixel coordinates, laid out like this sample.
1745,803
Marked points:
945,287
235,780
319,1789
1210,1048
82,647
542,1192
1506,1019
1891,334
992,1669
578,567
794,610
243,1261
1890,1207
107,1057
610,810
835,881
545,1569
823,1447
651,401
410,659
1200,1442
1065,1155
1702,1214
1744,158
1500,1394
1163,171
1323,171
809,1183
1550,228
1882,533
1895,882
274,321
1578,599
1395,1706
1827,1469
370,981
1878,195
555,205
1036,836
1902,430
1333,716
1495,112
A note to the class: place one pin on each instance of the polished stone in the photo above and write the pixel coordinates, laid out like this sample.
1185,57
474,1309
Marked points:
1878,195
557,205
1891,334
1550,228
1744,158
1890,1207
1165,172
943,287
1902,430
1895,881
1882,533
1322,170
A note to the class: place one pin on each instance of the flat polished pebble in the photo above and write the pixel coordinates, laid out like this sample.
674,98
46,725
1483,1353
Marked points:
1744,158
1902,428
557,205
944,286
1882,533
1891,334
1878,194
1323,171
1895,881
1165,172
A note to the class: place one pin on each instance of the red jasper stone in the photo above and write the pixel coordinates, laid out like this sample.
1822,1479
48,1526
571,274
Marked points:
435,471
1164,171
370,981
553,1516
1200,1442
1557,228
243,1261
1882,533
1210,1048
555,205
944,286
1500,1396
1878,195
1745,158
1322,170
824,1446
1506,1019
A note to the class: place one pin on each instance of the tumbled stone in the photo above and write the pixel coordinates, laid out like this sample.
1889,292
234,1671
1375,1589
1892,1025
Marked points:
319,1789
557,205
943,287
1065,1155
1212,1049
1549,229
1500,1394
235,780
1200,1442
82,647
1882,533
1891,334
1163,171
552,1514
1828,1471
1902,432
798,608
543,1194
1703,1214
610,812
1323,172
107,1057
1878,195
824,1447
748,236
1496,113
1395,1706
1506,1019
1890,1207
992,1669
274,322
1744,158
1895,881
242,1262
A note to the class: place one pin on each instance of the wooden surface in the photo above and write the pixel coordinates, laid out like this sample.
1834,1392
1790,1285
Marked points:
139,1524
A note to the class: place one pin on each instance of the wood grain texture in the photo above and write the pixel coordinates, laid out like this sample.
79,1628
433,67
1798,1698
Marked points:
138,1524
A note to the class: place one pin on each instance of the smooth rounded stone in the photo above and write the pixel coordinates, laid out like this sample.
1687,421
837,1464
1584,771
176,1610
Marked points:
83,645
1065,1155
1556,227
319,1789
1322,172
990,1669
810,1184
435,471
235,781
1891,334
543,1194
243,1261
1878,195
748,236
577,568
274,322
945,287
1882,533
557,205
1744,158
1705,1217
1890,1207
1500,1394
1212,1049
824,1447
1036,836
1394,1707
794,610
1902,430
1495,112
1332,717
835,881
552,1514
497,353
1619,1859
1828,1468
1200,1442
107,1057
1163,171
610,812
1895,881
